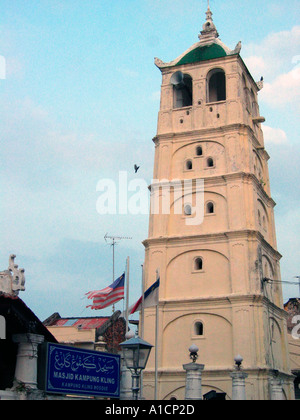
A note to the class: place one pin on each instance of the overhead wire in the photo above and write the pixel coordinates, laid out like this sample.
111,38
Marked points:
265,279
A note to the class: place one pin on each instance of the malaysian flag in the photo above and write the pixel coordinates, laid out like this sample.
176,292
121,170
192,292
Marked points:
108,296
150,298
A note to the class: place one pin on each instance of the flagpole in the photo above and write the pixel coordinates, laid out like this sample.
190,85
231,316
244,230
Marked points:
113,269
143,297
156,343
114,242
142,323
127,295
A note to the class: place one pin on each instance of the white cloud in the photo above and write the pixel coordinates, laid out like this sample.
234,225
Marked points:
284,90
257,63
274,135
274,55
276,58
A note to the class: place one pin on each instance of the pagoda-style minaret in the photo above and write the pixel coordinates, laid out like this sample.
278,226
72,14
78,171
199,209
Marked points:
213,287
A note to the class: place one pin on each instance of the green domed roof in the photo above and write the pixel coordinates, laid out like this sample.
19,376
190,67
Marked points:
203,53
209,47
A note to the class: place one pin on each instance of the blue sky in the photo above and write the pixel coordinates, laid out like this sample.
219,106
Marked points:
80,102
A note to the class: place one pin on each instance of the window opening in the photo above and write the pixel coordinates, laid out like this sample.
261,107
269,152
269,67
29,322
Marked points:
198,264
182,90
216,86
198,328
210,208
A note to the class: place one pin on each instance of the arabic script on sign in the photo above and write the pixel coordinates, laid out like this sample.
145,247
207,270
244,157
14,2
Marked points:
75,362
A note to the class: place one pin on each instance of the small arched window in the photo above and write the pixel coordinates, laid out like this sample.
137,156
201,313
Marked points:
216,86
259,217
198,264
199,151
210,208
198,328
188,165
210,163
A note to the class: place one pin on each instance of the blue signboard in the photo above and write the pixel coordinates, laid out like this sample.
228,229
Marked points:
81,372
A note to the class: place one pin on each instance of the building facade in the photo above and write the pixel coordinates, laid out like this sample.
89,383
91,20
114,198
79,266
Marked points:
216,247
90,333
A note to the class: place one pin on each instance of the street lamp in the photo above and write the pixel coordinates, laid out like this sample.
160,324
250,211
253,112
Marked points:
136,354
238,361
194,352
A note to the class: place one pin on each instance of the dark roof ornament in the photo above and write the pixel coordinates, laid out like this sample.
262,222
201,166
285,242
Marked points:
12,280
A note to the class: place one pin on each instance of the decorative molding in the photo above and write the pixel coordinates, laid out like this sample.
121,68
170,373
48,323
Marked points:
12,280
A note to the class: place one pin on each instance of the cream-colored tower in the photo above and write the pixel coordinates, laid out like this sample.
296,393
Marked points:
212,290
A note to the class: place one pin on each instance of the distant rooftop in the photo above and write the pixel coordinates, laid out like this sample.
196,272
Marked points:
85,323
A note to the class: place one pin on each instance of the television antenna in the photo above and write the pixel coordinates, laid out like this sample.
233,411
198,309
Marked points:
113,241
298,277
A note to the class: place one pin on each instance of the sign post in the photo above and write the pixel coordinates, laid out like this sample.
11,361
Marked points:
68,370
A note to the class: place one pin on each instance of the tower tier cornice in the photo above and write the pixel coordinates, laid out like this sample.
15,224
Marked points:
200,132
212,303
212,238
221,301
219,180
215,131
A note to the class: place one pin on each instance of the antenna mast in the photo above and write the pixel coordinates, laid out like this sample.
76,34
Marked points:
113,240
298,277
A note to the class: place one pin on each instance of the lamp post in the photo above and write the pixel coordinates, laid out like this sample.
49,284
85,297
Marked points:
238,380
238,362
136,354
193,352
193,382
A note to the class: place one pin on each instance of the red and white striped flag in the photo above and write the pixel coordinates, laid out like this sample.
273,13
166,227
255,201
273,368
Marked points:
108,296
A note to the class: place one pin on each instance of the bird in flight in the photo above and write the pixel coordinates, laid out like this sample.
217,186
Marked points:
136,168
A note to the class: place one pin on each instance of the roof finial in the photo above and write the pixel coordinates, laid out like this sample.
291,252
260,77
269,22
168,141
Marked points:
209,29
208,7
209,12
